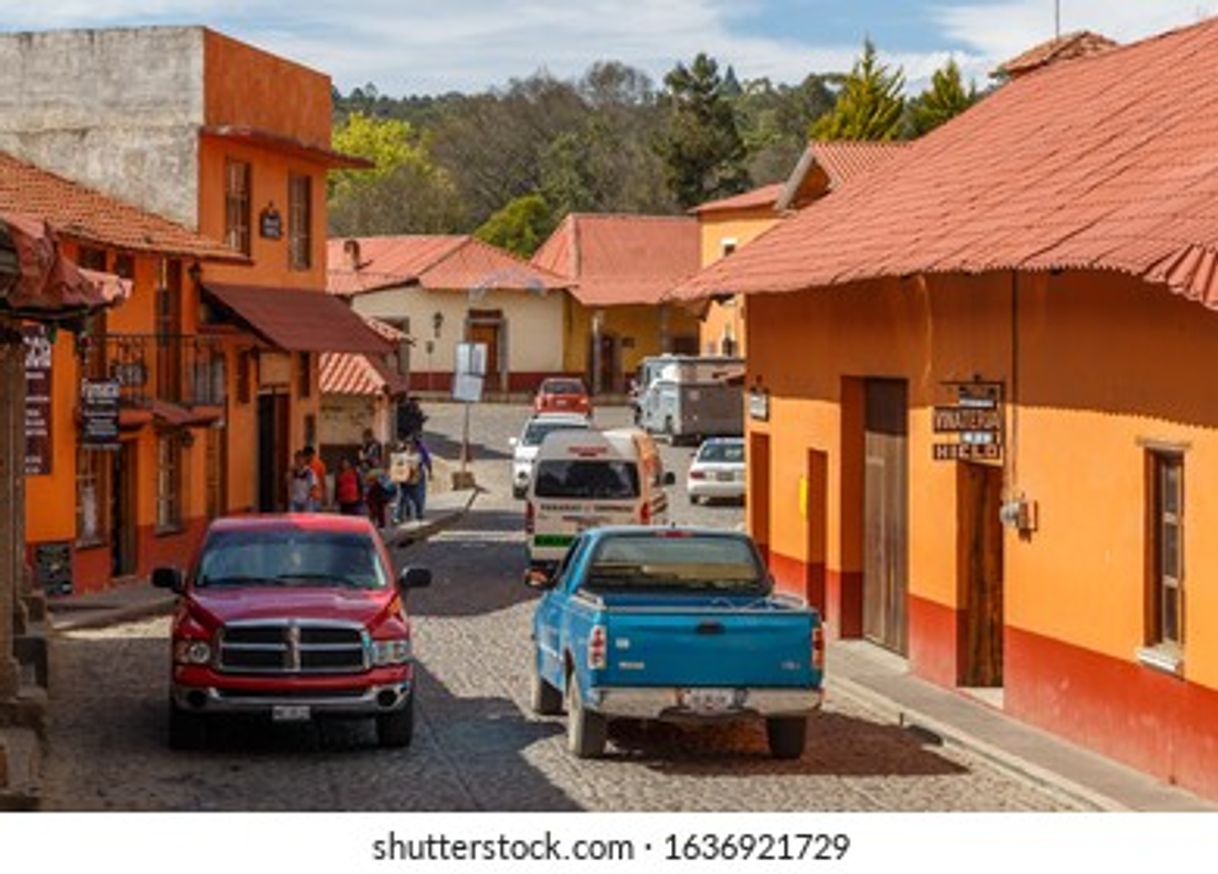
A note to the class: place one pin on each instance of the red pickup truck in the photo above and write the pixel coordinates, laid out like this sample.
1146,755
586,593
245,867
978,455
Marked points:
291,618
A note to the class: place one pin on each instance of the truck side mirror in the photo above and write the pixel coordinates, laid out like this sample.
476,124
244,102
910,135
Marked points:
414,578
168,578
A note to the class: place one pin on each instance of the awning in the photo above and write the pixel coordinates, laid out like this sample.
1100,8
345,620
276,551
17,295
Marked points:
36,281
298,320
166,413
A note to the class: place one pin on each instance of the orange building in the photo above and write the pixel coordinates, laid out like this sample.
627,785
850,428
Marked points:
732,222
982,424
200,168
619,267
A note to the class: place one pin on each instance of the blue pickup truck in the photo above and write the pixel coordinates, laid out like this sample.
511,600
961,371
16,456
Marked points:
672,624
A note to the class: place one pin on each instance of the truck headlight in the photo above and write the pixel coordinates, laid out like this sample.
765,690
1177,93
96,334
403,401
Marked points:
390,652
192,652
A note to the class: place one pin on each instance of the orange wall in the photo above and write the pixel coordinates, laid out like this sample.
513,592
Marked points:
641,323
716,228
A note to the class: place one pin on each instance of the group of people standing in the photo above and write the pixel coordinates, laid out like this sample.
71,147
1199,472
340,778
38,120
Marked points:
389,484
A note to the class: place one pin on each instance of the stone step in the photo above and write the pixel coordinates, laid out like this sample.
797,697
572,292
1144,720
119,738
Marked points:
20,769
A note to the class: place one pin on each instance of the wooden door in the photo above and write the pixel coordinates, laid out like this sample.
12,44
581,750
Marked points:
123,538
274,453
488,333
885,514
979,556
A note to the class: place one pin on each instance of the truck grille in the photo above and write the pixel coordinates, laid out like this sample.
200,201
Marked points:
292,647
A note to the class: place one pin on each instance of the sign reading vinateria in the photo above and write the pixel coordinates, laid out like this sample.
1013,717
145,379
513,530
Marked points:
977,419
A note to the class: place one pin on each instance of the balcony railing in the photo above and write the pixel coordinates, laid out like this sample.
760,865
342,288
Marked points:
181,369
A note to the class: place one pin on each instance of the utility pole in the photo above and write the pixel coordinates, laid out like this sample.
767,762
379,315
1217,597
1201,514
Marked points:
1057,19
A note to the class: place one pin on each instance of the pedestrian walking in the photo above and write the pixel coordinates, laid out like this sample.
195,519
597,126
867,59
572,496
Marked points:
348,489
313,460
418,486
370,452
403,472
376,495
302,485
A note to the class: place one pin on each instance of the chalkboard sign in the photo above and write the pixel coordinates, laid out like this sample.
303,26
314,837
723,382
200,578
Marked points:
270,223
53,568
99,413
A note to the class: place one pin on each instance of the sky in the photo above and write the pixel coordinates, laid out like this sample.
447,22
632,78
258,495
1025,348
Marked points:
435,46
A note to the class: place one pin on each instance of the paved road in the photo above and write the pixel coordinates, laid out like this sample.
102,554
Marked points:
477,747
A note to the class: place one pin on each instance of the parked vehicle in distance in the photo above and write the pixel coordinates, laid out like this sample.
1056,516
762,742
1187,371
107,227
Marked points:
717,471
584,479
291,618
672,624
562,395
524,447
688,399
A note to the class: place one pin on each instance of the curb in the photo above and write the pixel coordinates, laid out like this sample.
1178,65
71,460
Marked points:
102,618
403,538
1009,763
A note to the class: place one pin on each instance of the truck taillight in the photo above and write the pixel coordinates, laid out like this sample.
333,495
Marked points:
697,474
645,513
530,518
818,647
598,648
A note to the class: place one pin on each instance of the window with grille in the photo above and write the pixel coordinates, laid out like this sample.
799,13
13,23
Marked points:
92,497
237,205
168,483
1165,591
169,330
300,220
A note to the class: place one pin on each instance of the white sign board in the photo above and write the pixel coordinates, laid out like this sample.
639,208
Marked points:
467,388
469,372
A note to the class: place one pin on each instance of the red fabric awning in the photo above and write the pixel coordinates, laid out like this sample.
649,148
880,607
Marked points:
177,416
36,280
298,320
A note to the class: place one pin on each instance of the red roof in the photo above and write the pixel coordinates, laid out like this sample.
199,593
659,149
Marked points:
766,195
841,161
1108,162
617,259
76,211
37,281
298,320
348,373
450,262
1080,44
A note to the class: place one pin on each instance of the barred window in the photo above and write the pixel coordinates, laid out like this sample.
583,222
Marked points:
169,483
237,205
92,496
1165,589
300,221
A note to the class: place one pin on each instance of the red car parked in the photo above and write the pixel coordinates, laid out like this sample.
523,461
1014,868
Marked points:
291,618
562,395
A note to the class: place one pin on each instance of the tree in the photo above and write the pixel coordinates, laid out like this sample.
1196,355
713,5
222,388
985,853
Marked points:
869,105
702,148
521,226
942,101
774,122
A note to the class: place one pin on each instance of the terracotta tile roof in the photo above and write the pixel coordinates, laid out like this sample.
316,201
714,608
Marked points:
38,282
81,213
454,262
298,320
766,195
1106,163
349,373
1080,44
840,161
617,259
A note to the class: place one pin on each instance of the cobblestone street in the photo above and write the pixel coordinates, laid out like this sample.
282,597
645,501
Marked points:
477,747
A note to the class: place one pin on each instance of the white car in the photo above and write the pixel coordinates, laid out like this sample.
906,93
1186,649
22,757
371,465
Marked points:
717,470
525,446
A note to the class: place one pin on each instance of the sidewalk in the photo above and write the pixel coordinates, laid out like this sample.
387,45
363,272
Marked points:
879,679
140,600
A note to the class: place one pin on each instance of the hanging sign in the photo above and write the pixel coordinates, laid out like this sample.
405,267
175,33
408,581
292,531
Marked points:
38,359
270,223
759,404
977,418
99,413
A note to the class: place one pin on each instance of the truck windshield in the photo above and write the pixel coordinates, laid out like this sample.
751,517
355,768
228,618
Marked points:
665,561
602,480
724,453
537,431
290,557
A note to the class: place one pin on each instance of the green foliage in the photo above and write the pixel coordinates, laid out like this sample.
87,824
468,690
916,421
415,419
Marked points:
869,105
702,148
521,226
942,101
774,122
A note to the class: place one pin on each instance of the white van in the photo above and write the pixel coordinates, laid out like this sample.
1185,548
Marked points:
586,479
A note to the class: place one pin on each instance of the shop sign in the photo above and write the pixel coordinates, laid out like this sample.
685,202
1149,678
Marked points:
38,359
977,418
99,413
270,223
759,404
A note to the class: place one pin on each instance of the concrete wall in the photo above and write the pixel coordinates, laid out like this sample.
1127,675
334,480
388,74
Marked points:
116,109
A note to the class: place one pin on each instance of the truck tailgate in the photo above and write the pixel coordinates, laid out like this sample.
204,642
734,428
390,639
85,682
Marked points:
719,647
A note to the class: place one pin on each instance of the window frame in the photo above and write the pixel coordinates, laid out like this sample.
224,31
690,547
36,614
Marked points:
1165,510
170,482
95,466
238,205
300,221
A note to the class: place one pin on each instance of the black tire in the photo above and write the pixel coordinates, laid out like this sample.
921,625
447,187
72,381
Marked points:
396,729
544,699
787,736
187,731
587,733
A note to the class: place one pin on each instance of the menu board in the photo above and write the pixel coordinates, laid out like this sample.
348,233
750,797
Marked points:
99,413
38,425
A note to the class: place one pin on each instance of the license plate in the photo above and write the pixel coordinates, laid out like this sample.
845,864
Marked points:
290,713
709,700
725,476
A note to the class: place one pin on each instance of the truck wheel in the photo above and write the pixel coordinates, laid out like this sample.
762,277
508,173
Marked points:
787,736
396,729
187,731
544,698
587,732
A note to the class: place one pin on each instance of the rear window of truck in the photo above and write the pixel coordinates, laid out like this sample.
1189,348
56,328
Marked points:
675,561
599,480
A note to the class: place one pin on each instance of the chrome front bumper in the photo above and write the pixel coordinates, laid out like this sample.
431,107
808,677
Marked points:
664,704
368,702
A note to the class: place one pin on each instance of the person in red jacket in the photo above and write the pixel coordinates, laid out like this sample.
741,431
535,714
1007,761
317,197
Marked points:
348,489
